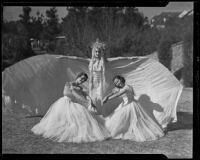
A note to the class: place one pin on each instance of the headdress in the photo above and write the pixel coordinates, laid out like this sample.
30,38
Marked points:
98,44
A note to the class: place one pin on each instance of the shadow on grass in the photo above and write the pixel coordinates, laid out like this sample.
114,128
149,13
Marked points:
185,121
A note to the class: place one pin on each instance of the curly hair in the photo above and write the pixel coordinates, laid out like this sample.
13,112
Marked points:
82,74
122,79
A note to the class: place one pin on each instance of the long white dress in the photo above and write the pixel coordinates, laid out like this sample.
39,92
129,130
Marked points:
68,120
97,83
129,121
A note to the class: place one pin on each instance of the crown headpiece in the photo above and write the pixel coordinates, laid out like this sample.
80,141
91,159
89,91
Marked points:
98,44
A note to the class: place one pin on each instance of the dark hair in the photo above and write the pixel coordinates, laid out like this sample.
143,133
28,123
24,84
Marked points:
82,74
122,79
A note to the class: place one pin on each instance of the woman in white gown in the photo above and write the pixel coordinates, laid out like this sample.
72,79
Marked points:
97,74
129,120
68,119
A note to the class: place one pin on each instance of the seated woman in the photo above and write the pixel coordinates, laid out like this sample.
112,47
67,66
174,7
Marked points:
68,119
129,120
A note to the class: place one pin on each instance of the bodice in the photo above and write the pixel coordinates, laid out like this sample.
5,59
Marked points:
97,75
70,89
76,94
128,96
96,66
96,71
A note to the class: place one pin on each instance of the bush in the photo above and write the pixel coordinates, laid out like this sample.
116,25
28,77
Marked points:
15,48
51,47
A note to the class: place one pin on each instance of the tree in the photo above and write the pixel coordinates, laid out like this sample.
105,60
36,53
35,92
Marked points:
37,26
25,31
76,28
112,25
16,39
14,49
146,41
165,51
52,27
133,17
9,27
25,19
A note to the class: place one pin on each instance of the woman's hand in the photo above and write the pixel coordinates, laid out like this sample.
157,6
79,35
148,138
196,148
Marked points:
92,104
105,100
77,88
90,100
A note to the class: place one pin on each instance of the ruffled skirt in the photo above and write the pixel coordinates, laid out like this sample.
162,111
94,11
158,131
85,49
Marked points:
66,121
131,122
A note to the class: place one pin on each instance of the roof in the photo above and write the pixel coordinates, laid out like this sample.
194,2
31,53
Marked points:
185,13
161,18
166,14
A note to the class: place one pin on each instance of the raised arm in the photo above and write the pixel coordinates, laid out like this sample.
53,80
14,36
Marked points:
115,94
114,91
86,96
66,90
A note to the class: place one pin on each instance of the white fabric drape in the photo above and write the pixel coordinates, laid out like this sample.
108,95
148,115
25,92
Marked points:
38,81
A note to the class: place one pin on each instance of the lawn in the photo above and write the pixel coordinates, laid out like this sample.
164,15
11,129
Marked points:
177,143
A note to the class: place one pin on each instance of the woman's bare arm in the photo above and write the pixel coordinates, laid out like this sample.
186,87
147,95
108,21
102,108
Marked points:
115,94
66,89
114,91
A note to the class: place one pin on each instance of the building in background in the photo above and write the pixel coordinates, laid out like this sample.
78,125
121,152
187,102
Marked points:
160,20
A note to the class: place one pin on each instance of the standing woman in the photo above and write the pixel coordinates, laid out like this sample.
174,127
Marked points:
129,120
97,81
68,119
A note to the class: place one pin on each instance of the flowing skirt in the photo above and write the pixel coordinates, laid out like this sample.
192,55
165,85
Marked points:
131,122
96,92
66,121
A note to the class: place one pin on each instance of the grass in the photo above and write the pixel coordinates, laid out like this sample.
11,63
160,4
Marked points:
177,143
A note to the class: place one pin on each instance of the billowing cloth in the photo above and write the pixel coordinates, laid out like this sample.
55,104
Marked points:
66,121
130,121
35,83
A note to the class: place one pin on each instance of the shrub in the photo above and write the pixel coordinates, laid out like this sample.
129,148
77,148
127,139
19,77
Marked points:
15,48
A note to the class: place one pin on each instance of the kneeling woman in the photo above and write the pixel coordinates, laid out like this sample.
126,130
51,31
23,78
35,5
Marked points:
68,119
129,120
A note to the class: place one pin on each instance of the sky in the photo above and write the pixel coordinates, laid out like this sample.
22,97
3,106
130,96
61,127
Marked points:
13,12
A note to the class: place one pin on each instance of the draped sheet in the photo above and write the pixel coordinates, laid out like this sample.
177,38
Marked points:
35,83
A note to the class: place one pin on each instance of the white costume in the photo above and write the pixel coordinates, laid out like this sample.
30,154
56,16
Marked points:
68,120
130,121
